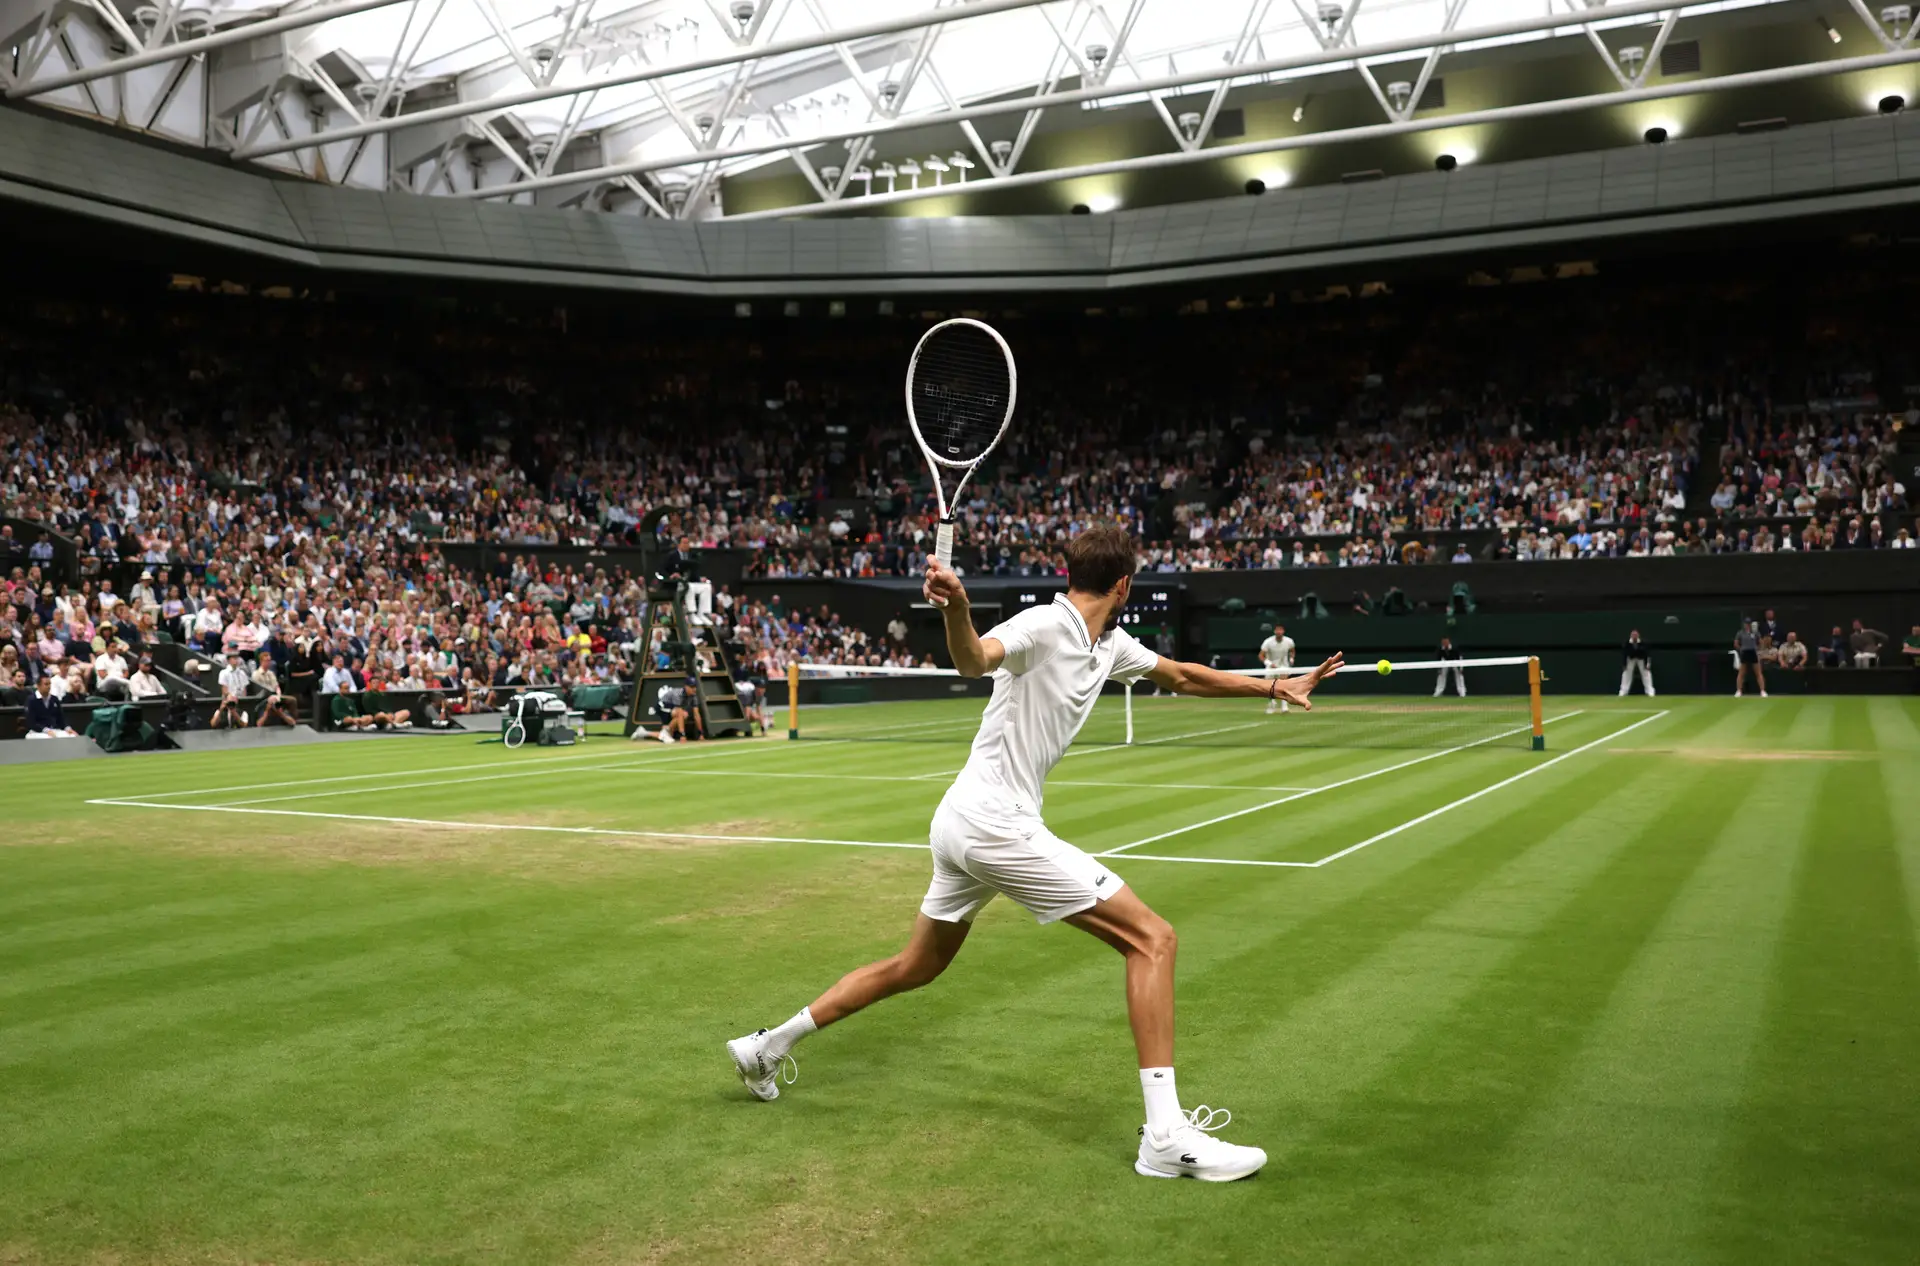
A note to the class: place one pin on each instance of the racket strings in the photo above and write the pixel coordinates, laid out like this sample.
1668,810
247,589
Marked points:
962,388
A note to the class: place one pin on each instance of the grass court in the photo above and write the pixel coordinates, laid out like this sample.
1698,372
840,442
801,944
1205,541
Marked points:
1652,995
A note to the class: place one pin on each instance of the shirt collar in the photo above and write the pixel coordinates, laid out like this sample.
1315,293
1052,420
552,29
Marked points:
1080,621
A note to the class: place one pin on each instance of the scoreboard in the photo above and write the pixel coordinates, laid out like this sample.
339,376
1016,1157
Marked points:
1154,609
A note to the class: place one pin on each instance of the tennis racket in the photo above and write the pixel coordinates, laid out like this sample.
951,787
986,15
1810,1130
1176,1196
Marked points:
960,390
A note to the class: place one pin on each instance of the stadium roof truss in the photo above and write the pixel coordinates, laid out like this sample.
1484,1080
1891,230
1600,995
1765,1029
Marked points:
643,108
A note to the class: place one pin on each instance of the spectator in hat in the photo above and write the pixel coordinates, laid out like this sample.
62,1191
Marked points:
145,683
143,595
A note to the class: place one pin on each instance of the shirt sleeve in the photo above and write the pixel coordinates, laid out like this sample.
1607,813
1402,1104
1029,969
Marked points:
1025,638
1131,660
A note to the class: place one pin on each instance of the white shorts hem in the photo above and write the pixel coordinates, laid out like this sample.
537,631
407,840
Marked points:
977,856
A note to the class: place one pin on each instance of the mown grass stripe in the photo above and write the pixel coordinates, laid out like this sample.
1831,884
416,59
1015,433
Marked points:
1331,937
1649,1100
1822,1165
1463,1087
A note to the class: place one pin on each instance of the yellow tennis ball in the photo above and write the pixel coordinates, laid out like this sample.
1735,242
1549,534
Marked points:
1383,667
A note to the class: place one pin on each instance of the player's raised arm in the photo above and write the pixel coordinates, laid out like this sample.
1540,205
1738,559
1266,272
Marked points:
973,655
1210,683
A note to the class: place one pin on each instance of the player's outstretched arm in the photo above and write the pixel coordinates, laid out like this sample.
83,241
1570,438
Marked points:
1210,683
973,655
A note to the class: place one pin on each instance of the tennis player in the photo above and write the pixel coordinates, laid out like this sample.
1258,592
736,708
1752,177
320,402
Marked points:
1048,665
1277,652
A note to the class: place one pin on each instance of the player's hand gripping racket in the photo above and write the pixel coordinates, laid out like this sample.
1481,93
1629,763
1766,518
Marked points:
960,389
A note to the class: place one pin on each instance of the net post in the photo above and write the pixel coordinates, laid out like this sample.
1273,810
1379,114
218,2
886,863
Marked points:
1533,703
793,700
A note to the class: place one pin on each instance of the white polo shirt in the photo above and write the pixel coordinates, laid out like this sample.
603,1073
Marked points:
1277,652
1043,692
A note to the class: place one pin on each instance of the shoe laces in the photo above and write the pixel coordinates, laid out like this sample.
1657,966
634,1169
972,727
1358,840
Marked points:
1206,1120
785,1068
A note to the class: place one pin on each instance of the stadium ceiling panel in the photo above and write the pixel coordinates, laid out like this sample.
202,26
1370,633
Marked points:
644,108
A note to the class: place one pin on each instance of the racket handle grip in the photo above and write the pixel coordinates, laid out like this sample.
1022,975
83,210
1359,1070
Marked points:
943,549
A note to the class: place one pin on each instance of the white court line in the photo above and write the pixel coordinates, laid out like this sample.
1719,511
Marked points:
454,825
668,763
659,749
1344,782
571,768
504,826
676,769
939,773
136,803
1469,799
1208,861
1171,738
954,723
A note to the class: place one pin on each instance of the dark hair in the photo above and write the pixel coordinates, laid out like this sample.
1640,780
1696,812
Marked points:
1100,558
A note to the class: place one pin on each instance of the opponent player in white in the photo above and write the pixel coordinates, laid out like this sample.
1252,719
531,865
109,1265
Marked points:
1277,652
1048,665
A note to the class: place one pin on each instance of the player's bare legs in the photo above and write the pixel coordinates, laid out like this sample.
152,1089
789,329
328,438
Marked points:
1173,1143
1149,944
759,1057
928,951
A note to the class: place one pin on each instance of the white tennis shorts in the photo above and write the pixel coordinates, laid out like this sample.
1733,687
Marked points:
983,849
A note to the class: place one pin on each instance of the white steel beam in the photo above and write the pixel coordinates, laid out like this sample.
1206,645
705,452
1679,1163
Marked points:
1252,70
780,48
504,33
1256,14
188,48
1378,131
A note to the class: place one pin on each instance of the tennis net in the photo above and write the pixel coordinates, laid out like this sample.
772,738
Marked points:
1416,704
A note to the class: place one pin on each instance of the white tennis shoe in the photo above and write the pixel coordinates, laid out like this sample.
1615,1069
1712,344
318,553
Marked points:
761,1071
1188,1151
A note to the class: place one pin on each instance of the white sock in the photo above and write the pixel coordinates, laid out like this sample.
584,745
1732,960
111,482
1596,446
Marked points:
782,1039
1163,1101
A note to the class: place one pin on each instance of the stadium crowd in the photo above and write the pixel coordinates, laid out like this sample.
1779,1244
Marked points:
283,472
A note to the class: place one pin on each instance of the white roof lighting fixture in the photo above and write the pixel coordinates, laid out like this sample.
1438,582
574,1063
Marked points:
657,95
